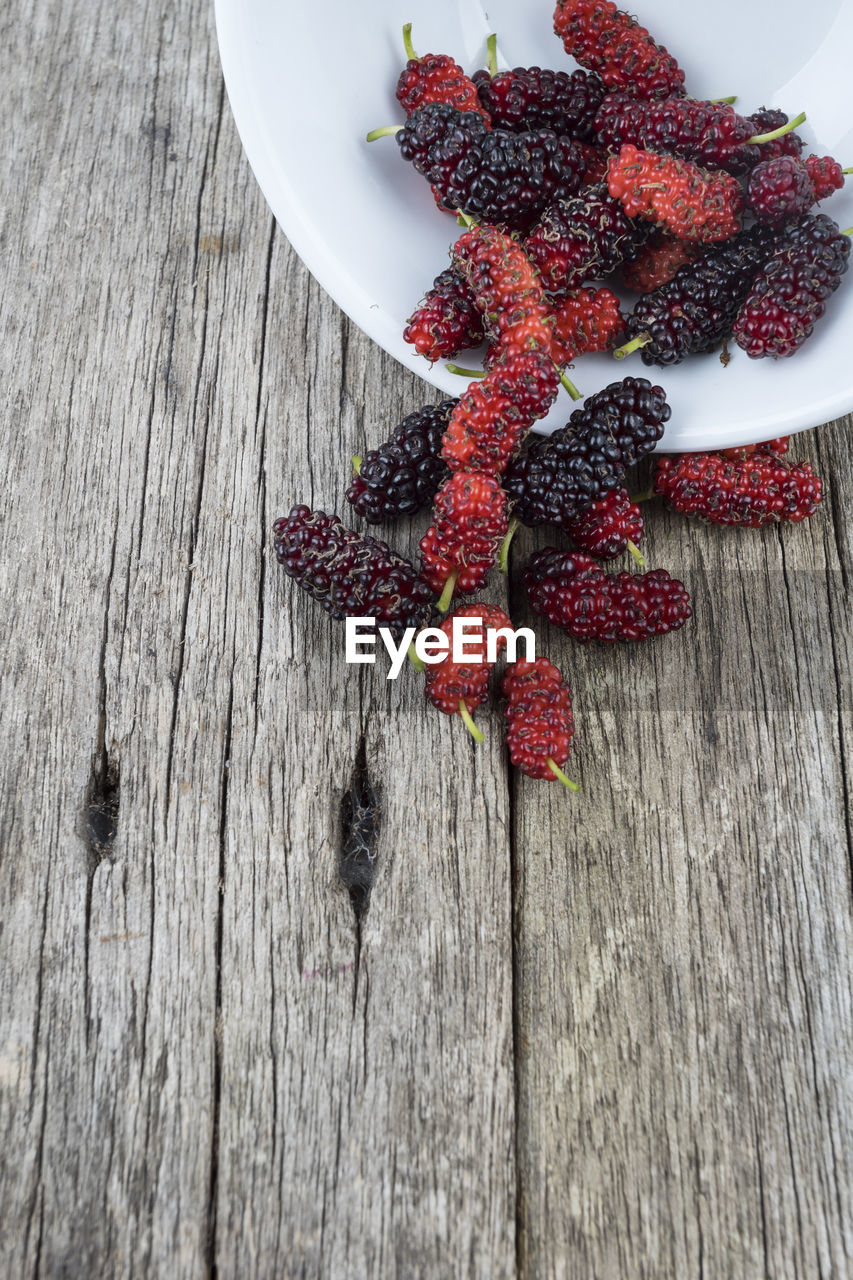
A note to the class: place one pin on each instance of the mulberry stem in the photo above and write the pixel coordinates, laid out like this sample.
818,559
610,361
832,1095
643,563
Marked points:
759,138
407,43
641,340
726,102
503,555
384,132
492,55
481,373
447,593
558,773
645,496
417,663
570,386
637,553
356,464
468,721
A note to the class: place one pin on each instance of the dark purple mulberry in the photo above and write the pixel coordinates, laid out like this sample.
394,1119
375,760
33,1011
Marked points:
697,308
583,238
532,98
350,574
493,175
403,474
447,321
559,477
710,133
789,294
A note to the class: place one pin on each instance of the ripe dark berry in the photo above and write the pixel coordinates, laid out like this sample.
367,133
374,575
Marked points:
596,160
575,593
435,78
540,725
658,261
789,294
558,477
780,190
460,687
608,527
350,574
689,202
605,39
404,473
711,134
582,239
447,321
493,175
755,490
532,98
768,120
697,308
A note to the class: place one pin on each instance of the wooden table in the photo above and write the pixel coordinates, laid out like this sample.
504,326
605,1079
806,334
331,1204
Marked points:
606,1035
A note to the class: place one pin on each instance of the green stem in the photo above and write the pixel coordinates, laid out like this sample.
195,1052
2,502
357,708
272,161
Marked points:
637,553
447,593
641,340
416,662
407,43
570,386
558,773
468,722
503,555
645,496
465,373
848,232
384,132
465,219
758,138
847,170
356,464
492,55
726,102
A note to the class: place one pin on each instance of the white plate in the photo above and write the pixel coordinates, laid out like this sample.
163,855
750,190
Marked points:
307,82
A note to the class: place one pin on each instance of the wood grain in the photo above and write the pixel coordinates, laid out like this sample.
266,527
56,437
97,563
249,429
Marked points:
605,1035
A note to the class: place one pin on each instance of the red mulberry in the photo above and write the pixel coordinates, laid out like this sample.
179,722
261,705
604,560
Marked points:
755,490
469,522
658,261
435,78
689,202
575,593
540,722
461,687
606,40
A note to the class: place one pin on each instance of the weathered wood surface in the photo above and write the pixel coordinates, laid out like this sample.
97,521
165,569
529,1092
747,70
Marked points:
597,1036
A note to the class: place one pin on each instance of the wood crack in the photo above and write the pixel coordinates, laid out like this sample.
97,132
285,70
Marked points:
211,1265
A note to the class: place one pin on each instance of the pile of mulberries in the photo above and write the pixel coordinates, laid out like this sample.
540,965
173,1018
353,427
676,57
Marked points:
560,181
